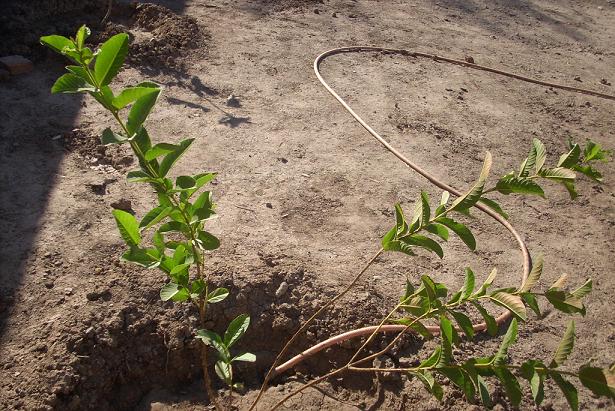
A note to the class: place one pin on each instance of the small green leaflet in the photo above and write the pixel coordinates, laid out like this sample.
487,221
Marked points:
565,346
511,302
110,58
128,227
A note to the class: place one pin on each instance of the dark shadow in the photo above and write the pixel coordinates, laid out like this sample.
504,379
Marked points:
232,121
521,12
379,401
177,101
32,127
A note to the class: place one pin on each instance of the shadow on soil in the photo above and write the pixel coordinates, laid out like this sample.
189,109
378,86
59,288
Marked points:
517,11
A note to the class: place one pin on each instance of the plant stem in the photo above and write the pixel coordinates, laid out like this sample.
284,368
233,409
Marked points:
204,360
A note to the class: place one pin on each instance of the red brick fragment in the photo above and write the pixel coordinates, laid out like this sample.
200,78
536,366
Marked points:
16,64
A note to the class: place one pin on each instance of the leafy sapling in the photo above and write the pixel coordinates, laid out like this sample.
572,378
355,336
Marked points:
431,301
179,240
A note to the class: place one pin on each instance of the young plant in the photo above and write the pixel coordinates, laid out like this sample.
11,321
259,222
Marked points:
432,301
178,240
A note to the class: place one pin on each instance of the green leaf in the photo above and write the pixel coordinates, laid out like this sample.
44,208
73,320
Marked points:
511,385
509,338
565,346
512,184
571,158
494,206
468,286
589,171
143,257
443,202
533,277
483,391
569,390
492,325
464,323
185,182
483,289
212,339
565,302
471,197
82,34
174,292
236,329
430,383
600,382
207,241
132,94
541,154
532,302
217,295
110,58
461,379
57,43
224,371
69,83
511,302
396,245
173,156
415,325
154,217
559,174
158,150
439,230
425,210
109,137
140,110
593,151
583,290
142,140
128,227
446,333
424,242
461,230
246,357
138,176
400,222
535,378
433,359
80,72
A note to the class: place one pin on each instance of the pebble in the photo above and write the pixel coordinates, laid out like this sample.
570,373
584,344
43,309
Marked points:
282,289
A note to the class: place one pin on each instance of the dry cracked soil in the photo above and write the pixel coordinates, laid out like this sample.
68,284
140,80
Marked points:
304,193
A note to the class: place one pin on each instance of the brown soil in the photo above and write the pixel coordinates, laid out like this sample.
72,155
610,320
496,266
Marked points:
303,193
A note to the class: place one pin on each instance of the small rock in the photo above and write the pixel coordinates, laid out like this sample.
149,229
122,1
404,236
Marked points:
98,294
577,78
16,64
268,205
122,204
316,11
232,101
334,15
469,59
282,289
605,82
48,284
68,291
283,160
465,90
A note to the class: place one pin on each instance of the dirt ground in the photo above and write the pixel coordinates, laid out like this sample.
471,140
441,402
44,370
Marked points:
304,194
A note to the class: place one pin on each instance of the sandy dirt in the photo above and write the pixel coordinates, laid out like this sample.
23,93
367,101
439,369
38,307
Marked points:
304,194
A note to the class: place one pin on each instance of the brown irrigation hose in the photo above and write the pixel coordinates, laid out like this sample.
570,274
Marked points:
527,262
